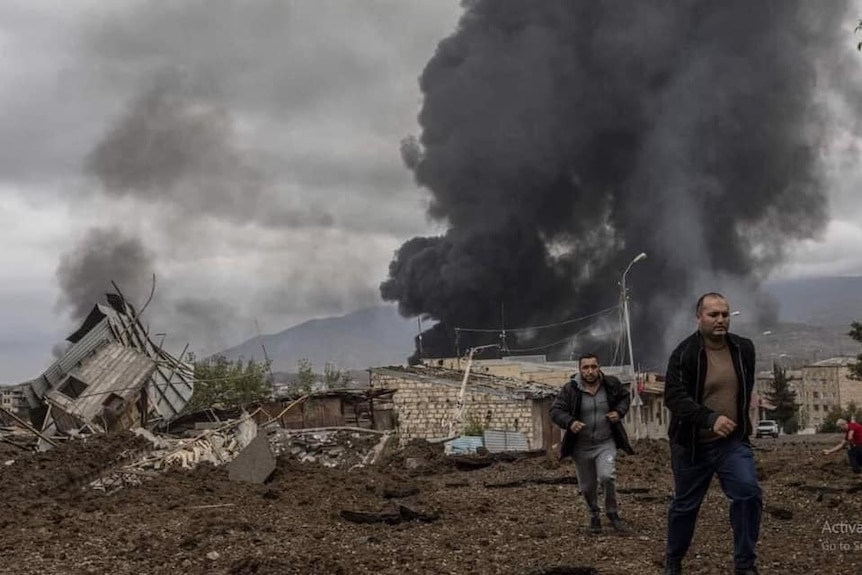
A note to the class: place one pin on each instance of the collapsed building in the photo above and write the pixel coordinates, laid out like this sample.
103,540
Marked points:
112,377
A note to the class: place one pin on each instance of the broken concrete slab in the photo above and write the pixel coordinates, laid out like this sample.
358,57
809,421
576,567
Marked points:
254,464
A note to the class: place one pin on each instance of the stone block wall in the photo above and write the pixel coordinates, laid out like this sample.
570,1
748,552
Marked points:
425,408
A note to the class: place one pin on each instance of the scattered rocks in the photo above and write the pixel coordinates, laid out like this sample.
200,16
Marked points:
390,515
779,512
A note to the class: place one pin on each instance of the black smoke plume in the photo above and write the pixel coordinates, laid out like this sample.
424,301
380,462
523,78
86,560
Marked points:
103,256
560,139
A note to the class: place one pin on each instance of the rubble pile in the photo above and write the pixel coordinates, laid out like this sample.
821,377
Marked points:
341,448
216,447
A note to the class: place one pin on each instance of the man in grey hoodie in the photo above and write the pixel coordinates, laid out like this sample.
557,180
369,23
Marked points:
590,407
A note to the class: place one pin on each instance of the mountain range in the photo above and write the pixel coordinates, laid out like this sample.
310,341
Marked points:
369,337
814,317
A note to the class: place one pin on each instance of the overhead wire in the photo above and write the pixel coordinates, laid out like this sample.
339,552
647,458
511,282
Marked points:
565,339
537,327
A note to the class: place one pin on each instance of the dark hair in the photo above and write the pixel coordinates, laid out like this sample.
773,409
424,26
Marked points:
587,356
699,306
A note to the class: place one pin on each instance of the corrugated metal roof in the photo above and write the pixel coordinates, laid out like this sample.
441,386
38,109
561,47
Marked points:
96,337
172,380
172,387
497,441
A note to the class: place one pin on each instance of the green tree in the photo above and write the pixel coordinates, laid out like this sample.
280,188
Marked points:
334,378
783,398
856,333
304,376
220,382
836,413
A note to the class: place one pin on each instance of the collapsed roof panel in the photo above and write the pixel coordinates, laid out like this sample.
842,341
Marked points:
98,379
106,381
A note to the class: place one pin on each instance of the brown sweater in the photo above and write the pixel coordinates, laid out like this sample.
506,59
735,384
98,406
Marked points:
720,388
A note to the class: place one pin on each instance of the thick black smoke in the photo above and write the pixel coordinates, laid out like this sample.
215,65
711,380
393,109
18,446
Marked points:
103,256
560,139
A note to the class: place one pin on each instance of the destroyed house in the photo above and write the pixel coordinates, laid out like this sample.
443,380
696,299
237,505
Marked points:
111,377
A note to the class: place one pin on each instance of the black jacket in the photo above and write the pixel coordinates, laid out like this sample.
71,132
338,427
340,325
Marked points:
684,383
567,408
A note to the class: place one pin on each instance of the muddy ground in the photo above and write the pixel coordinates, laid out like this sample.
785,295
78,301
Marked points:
510,518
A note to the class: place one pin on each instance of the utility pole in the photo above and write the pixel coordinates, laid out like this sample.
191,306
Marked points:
456,424
625,296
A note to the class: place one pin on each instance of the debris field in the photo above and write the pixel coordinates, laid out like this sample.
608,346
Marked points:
414,510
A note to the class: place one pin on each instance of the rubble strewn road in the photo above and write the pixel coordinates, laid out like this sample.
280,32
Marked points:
416,511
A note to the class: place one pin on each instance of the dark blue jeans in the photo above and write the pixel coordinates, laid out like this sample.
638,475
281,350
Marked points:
733,462
854,456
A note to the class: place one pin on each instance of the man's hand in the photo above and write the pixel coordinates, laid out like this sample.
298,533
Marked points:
827,452
723,426
613,416
576,426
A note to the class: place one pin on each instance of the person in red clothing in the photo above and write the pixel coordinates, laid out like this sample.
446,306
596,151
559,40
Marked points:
852,441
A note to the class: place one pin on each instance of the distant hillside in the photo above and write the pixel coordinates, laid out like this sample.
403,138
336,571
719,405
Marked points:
815,315
830,301
369,337
797,344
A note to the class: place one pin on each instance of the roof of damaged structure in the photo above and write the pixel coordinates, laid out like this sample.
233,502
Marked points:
479,382
110,360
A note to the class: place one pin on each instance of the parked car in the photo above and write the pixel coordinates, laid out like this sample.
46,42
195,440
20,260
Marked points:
767,427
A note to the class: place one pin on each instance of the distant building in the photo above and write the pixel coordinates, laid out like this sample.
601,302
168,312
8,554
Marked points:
827,384
13,398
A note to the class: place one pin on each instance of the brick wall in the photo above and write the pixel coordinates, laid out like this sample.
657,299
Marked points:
424,408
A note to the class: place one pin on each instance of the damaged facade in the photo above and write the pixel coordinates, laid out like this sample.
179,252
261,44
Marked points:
111,377
424,404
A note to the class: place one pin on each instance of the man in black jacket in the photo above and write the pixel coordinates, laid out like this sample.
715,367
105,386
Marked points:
590,407
708,385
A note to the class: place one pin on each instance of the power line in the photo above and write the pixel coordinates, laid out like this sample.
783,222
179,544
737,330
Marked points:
558,342
536,327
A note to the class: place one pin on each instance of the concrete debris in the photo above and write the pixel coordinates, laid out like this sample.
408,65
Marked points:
254,464
215,446
248,450
342,448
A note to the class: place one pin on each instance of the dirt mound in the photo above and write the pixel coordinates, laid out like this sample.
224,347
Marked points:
63,471
511,517
419,457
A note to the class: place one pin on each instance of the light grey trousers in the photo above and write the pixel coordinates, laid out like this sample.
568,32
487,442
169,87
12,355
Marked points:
596,464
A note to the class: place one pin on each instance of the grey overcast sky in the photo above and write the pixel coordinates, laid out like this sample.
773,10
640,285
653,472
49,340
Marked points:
247,152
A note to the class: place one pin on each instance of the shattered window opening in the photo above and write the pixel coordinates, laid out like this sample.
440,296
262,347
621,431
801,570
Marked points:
72,387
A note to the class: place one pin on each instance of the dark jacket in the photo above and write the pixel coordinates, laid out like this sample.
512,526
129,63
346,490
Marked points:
684,383
567,408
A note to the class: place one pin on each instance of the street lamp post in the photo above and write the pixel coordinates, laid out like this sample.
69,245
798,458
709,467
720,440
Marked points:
640,257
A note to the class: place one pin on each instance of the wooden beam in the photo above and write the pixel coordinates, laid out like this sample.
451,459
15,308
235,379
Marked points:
28,427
